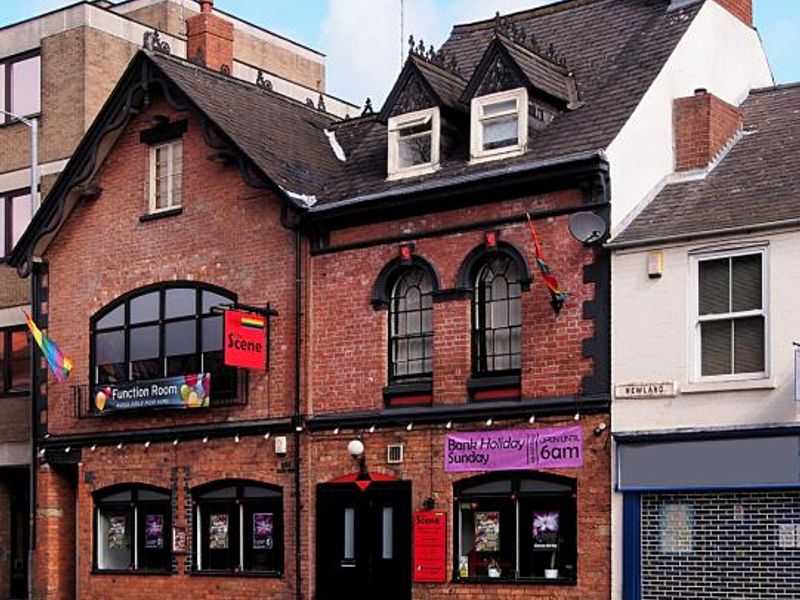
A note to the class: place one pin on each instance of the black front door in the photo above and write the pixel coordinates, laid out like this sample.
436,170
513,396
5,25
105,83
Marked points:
364,541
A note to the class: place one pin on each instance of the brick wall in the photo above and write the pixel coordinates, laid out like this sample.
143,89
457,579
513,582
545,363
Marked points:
704,125
327,458
348,351
5,536
54,559
105,247
737,545
741,9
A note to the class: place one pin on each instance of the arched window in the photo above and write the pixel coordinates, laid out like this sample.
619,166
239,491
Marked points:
239,527
411,326
516,526
133,527
497,314
161,331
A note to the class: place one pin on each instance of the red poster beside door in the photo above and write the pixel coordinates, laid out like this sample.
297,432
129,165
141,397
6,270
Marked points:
430,547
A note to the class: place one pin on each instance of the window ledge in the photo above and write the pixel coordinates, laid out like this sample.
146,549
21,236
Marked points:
161,214
125,572
490,155
14,121
418,171
728,386
491,388
258,574
521,581
417,393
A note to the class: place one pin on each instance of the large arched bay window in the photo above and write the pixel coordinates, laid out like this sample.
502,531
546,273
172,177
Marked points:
133,529
516,526
239,527
161,331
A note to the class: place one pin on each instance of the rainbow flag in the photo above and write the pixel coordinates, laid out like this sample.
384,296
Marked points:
59,363
557,295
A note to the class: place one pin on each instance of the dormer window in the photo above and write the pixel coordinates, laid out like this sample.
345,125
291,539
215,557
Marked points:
414,143
499,124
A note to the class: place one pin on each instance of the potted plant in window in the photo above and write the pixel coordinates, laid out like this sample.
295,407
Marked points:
494,569
552,572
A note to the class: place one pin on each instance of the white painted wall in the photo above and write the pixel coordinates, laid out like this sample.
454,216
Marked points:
651,333
719,53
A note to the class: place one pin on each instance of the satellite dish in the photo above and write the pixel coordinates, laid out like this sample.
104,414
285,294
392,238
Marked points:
587,227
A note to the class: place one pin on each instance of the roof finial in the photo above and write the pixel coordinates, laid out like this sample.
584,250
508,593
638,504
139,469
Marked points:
411,44
368,110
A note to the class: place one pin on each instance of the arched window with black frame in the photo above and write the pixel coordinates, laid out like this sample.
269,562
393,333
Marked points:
411,326
133,529
519,526
239,528
163,330
497,282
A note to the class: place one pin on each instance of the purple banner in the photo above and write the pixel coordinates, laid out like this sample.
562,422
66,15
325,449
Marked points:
555,448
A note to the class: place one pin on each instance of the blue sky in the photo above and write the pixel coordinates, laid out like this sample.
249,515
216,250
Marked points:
362,37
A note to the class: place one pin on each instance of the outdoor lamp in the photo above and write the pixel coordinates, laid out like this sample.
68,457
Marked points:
356,448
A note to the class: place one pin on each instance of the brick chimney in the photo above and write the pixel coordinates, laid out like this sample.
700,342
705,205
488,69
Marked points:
210,39
741,9
704,125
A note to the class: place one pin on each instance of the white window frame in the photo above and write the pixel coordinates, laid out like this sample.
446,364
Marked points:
401,122
477,152
153,184
696,371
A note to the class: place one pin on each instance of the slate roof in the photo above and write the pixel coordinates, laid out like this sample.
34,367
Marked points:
284,138
614,48
756,183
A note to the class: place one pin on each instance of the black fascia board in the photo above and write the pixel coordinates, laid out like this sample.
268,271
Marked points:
169,434
464,413
699,434
458,191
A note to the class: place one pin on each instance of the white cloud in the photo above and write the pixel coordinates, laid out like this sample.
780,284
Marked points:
363,43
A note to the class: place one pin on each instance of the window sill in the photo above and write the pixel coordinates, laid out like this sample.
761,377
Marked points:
15,394
254,574
728,386
496,155
14,121
161,214
494,387
413,172
520,581
417,393
119,572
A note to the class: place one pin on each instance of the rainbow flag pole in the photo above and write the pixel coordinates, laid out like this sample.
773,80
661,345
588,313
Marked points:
557,295
59,363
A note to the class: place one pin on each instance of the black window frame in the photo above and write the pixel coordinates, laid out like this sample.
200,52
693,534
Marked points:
230,374
7,212
481,330
239,504
427,337
6,359
508,501
134,506
7,90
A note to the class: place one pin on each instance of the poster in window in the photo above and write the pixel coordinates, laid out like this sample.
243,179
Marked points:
179,545
545,530
154,532
487,531
677,524
262,531
117,526
218,532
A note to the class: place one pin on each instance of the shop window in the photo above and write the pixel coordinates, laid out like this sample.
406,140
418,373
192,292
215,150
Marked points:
133,529
163,331
731,315
15,361
15,214
411,326
20,86
499,124
497,315
166,176
414,143
516,528
239,528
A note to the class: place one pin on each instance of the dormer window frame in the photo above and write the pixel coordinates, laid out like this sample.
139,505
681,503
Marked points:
396,125
478,118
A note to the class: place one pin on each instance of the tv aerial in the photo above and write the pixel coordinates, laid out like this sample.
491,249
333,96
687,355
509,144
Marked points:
587,227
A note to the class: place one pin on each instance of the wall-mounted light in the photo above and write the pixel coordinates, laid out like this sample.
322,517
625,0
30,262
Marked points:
598,431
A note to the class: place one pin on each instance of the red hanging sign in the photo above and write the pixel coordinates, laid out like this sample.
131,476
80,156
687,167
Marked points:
245,340
430,546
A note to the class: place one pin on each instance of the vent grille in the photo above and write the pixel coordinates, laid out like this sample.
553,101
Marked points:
394,454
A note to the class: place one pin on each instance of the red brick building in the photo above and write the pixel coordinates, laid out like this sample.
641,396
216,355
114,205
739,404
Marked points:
432,422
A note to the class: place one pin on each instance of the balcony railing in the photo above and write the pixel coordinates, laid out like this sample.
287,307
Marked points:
230,390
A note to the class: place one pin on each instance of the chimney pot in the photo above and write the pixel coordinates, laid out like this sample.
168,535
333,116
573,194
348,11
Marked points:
206,6
700,92
210,39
